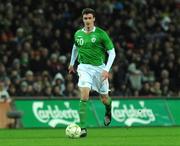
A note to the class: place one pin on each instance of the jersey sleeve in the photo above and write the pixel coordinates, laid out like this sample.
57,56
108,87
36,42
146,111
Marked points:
107,42
74,40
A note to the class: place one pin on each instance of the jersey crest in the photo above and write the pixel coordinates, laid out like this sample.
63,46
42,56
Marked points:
93,39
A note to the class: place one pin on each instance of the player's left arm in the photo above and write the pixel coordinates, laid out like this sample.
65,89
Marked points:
111,54
111,57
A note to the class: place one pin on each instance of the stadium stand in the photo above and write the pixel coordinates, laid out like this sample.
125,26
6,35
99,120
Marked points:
36,38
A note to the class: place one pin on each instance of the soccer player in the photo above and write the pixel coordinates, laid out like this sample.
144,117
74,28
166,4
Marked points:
91,44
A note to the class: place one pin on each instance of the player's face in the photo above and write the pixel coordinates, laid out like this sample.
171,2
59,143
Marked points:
88,20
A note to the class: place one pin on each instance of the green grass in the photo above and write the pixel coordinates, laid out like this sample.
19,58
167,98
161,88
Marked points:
152,136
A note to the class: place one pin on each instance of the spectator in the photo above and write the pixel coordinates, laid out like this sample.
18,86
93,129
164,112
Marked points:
56,91
146,90
23,89
71,91
12,90
53,64
46,79
135,79
4,95
29,77
59,81
156,89
48,91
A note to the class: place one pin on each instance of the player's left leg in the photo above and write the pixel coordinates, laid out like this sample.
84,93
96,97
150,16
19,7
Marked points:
106,100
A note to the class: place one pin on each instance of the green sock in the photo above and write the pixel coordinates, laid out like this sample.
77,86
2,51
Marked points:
82,113
109,100
108,104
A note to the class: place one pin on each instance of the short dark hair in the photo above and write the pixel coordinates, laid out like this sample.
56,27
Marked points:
88,11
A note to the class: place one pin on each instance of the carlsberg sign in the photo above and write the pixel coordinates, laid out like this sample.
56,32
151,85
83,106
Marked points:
48,113
130,114
53,115
136,112
126,112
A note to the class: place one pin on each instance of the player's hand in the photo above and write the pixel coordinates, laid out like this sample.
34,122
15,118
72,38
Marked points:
105,75
71,69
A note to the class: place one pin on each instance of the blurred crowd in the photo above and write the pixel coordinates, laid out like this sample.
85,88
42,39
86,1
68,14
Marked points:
36,39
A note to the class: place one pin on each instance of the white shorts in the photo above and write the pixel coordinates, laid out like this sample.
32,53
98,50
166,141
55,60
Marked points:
91,76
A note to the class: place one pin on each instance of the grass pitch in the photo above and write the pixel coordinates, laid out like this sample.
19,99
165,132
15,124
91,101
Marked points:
146,136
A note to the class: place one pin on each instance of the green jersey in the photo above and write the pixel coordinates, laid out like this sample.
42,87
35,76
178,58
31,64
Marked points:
92,46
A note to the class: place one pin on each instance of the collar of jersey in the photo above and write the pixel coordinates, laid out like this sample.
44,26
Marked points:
93,30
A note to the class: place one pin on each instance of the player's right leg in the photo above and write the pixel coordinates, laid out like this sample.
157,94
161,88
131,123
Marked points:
82,109
84,84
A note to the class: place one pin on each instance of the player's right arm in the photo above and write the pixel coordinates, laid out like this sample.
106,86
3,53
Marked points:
74,55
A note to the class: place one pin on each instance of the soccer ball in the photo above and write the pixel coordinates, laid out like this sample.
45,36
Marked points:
73,131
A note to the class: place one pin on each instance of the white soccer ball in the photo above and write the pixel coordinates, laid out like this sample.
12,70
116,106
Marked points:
73,131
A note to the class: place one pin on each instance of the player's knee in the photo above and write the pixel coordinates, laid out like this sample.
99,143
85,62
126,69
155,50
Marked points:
84,96
104,99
